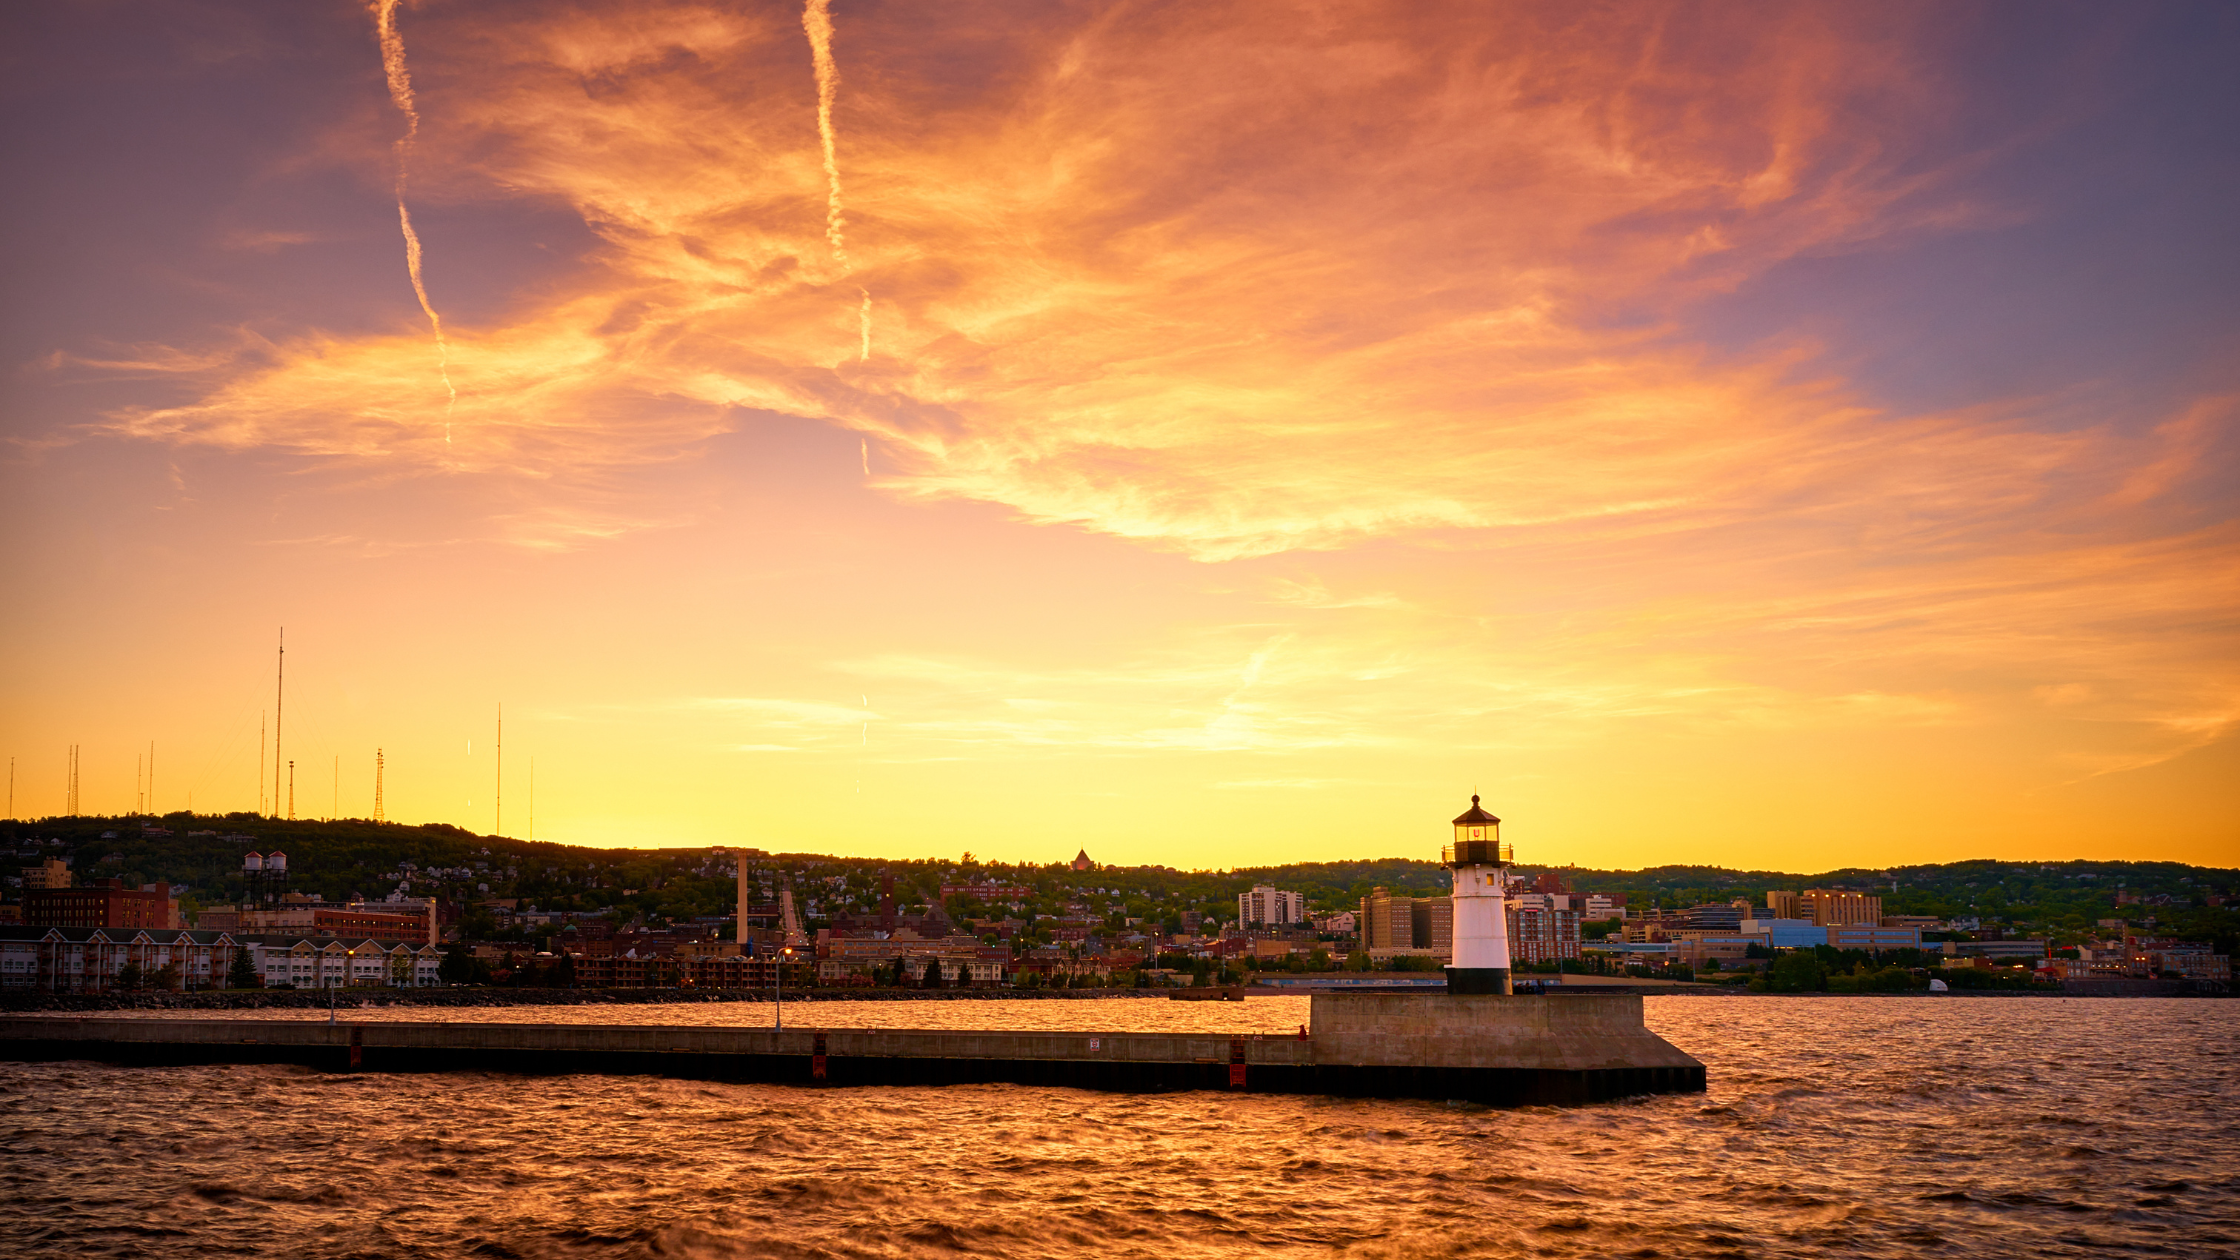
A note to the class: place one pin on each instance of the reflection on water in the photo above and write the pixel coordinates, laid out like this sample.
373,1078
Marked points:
1834,1127
1283,1013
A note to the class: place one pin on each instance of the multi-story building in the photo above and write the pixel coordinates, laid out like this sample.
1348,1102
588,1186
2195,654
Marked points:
1431,923
1788,933
1601,906
1387,921
78,960
107,904
347,920
1728,949
1542,934
1264,906
1826,907
846,960
1713,916
2190,959
1872,936
52,873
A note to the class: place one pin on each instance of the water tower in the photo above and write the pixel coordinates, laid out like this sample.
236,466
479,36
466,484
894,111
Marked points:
1481,919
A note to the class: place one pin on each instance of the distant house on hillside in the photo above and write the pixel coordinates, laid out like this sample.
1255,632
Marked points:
1081,862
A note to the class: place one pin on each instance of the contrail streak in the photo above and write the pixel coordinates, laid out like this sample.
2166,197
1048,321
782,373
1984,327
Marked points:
816,20
400,91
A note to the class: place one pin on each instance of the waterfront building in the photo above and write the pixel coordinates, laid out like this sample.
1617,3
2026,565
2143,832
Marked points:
84,960
1729,949
1872,936
2025,951
1785,933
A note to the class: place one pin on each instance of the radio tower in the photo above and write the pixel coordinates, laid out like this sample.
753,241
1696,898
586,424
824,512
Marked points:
501,827
279,690
378,816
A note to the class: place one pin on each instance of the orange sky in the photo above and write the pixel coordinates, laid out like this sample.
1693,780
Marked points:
1205,434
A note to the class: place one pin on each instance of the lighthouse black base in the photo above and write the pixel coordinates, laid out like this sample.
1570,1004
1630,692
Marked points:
1479,980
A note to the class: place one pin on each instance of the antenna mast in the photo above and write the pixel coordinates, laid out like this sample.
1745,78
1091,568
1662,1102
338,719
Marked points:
501,828
291,789
279,696
378,766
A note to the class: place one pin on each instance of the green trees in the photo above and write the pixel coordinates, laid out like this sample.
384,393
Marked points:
128,976
1865,978
1796,972
243,973
460,966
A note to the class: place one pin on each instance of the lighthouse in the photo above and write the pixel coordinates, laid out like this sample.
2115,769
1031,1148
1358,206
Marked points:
1481,921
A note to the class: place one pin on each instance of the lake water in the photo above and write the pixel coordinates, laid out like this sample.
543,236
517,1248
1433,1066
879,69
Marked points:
1885,1127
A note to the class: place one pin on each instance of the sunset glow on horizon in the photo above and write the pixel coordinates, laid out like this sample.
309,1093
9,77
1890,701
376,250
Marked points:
1208,435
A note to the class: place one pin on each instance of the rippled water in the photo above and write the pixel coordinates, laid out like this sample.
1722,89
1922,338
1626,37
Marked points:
1834,1127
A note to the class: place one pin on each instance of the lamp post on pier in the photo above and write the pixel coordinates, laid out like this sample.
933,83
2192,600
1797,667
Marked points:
783,955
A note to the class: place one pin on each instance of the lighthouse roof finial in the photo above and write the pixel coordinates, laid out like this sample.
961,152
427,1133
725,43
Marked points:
1476,816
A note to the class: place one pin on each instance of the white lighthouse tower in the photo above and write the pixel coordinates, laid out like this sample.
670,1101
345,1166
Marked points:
1481,920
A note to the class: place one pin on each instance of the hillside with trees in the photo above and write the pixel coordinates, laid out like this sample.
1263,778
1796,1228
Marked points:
353,858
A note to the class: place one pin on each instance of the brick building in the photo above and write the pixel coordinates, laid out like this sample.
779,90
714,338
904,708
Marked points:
107,904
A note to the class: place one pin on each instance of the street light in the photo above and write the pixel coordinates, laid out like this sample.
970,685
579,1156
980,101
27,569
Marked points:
783,954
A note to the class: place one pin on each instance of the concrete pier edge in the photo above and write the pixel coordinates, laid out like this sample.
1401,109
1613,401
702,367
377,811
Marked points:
1493,1050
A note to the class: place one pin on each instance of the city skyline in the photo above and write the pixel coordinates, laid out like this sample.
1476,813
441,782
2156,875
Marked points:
1199,436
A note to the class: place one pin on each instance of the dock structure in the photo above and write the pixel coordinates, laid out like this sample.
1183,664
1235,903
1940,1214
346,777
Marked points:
1573,1048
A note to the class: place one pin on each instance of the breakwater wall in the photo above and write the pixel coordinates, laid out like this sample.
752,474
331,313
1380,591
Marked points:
1495,1050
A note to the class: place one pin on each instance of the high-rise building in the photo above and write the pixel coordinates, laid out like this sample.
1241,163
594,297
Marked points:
1431,923
1543,933
1825,907
1271,907
1387,921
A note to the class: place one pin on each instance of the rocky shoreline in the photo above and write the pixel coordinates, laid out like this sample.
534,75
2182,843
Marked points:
317,999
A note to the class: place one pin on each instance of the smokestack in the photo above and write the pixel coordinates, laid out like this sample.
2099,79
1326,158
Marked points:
742,901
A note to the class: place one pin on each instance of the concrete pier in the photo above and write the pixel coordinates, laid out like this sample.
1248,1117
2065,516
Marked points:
1498,1050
